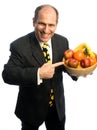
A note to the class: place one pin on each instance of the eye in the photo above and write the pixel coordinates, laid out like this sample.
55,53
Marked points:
42,24
51,25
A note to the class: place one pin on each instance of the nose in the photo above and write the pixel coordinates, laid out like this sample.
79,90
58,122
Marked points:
46,29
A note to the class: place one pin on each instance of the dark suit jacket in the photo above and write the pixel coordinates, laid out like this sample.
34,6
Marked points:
25,59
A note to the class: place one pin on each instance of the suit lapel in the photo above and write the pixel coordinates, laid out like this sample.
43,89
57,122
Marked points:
36,51
54,51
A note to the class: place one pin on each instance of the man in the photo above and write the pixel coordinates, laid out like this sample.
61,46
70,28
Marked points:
37,79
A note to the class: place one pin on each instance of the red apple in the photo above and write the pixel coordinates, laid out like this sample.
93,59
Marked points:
73,63
85,62
68,54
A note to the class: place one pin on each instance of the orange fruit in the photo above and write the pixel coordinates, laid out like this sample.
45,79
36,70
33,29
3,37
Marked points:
93,60
79,55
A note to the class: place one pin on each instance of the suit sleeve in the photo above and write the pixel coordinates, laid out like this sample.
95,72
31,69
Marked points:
16,72
75,78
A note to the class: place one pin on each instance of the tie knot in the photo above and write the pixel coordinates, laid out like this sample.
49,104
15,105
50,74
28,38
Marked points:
44,45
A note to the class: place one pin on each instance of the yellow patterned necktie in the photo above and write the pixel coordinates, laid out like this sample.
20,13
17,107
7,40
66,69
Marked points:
45,53
47,58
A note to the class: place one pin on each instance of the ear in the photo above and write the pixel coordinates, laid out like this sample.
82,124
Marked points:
33,21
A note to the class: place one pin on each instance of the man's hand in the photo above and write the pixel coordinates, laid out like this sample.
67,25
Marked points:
47,70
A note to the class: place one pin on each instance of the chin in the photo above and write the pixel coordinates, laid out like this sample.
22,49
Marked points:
44,40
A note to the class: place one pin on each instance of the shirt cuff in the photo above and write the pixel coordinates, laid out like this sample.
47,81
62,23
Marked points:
39,80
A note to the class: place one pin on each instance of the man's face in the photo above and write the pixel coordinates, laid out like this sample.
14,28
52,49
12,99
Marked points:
45,25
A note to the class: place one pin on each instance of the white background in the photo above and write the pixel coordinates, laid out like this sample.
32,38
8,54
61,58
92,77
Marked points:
78,22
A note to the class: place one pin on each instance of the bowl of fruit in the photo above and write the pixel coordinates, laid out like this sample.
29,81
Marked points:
81,61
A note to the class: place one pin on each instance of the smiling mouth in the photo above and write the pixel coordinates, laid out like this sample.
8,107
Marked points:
45,35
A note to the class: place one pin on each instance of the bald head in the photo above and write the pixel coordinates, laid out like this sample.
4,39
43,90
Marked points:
46,8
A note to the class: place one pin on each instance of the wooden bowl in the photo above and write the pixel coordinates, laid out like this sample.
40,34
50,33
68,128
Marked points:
80,71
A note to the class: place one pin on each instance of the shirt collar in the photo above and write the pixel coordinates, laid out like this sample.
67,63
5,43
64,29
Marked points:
41,43
49,43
